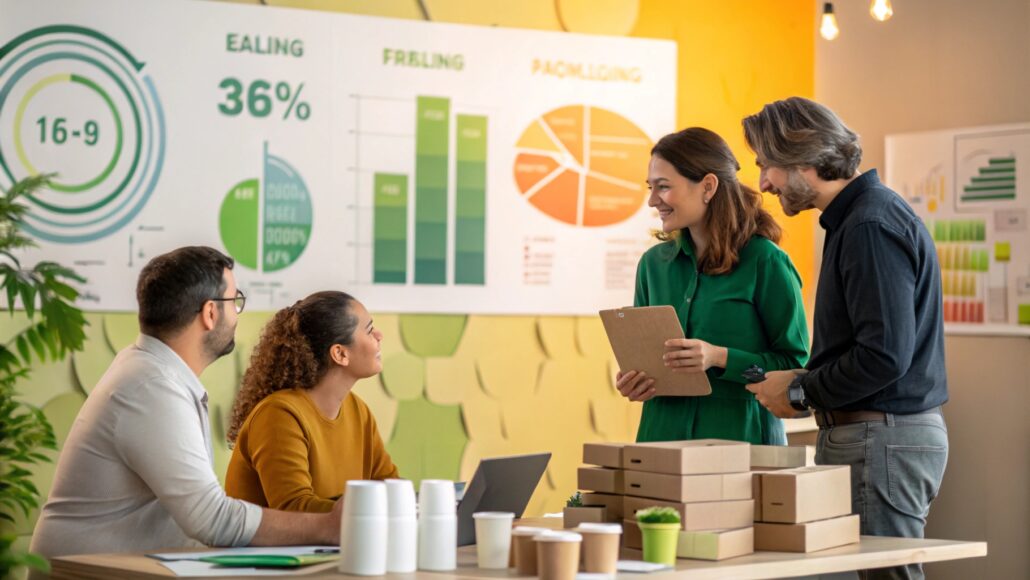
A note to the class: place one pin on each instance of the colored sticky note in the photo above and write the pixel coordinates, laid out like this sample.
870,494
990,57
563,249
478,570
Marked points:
1002,251
1024,313
403,375
432,334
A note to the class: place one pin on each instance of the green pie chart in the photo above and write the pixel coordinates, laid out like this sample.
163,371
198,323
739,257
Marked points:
265,223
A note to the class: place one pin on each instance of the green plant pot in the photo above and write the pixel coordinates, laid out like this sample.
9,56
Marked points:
660,542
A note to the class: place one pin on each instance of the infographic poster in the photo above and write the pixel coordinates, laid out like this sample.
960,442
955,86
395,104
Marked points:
972,188
421,167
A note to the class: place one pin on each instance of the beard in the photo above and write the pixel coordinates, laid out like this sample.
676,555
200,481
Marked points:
221,340
796,196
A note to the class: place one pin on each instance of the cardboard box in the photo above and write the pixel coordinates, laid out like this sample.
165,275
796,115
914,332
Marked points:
632,537
573,516
631,554
603,454
708,515
601,479
807,537
610,501
716,544
806,494
782,456
756,490
688,457
688,488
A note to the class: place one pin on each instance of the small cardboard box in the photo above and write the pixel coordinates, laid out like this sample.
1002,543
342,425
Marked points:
601,479
781,456
807,537
708,515
756,490
716,544
688,457
610,501
632,537
573,516
806,494
603,454
688,488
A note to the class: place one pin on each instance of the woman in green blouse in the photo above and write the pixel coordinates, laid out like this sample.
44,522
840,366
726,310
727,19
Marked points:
737,294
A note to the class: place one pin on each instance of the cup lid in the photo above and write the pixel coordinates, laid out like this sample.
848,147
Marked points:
552,536
595,528
400,497
364,498
527,531
493,516
436,498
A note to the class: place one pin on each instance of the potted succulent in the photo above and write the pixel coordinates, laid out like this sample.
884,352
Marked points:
576,513
660,529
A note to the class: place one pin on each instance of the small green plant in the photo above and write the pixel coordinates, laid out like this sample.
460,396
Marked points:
658,515
55,328
575,500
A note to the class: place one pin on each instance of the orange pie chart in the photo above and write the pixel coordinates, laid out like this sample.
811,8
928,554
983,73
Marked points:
583,165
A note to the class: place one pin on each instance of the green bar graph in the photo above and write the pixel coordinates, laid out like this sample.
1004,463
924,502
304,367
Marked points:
390,229
432,125
995,181
470,202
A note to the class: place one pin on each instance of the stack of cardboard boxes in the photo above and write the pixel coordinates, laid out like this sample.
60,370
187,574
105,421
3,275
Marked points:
805,509
707,481
603,480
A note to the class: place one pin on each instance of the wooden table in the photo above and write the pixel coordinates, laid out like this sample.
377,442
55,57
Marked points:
871,552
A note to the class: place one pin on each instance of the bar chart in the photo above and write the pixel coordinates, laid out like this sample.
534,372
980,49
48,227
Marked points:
447,244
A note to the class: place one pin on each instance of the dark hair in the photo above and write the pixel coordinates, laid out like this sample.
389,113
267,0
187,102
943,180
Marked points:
797,132
293,351
172,287
735,212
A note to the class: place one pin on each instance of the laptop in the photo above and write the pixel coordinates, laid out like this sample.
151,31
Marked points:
500,484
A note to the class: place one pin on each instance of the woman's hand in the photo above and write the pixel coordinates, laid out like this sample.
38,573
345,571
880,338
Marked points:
635,385
690,355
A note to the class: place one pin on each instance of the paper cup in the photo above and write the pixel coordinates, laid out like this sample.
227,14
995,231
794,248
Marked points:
436,498
363,529
493,538
557,555
524,549
600,550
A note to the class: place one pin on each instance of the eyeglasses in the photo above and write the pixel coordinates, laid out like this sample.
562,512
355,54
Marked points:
239,301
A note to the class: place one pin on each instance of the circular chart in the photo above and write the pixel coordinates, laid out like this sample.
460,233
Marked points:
78,104
265,223
583,165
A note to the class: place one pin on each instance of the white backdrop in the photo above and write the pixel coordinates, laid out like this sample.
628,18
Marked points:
267,133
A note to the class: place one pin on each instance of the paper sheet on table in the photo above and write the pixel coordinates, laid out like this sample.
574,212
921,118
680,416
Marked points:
193,568
281,550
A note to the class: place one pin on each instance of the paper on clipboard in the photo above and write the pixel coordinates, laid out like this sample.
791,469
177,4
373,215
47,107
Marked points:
638,335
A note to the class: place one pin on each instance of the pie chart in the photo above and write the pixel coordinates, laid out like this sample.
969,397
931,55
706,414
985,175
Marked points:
583,165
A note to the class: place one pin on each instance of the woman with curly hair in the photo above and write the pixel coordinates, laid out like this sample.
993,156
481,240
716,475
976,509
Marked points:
300,433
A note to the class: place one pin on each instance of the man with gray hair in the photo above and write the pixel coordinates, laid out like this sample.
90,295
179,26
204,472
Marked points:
876,378
136,472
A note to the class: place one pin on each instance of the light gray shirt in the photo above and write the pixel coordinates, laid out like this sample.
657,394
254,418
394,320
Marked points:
136,473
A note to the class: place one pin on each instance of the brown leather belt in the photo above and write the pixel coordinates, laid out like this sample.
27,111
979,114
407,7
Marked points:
831,418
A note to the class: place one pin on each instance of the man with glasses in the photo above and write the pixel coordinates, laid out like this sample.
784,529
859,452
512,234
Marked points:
136,474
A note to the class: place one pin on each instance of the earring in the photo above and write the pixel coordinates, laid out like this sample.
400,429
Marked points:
707,199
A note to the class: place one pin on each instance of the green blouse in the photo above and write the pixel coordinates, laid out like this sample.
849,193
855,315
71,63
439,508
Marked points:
755,311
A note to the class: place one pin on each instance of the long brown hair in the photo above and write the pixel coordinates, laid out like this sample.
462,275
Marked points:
293,351
735,212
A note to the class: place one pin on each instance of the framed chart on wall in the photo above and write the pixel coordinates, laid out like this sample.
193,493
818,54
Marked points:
972,188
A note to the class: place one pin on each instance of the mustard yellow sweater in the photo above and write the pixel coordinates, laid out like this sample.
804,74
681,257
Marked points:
288,456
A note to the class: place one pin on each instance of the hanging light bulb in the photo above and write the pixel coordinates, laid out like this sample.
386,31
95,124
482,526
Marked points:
881,10
829,29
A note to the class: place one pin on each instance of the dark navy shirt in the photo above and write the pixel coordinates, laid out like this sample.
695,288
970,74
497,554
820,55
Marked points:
878,340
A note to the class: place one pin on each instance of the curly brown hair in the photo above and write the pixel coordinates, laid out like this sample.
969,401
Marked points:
293,351
735,213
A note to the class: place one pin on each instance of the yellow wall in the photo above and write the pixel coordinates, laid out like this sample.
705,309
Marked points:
457,388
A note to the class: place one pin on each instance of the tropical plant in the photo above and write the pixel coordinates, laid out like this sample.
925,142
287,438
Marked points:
658,515
54,328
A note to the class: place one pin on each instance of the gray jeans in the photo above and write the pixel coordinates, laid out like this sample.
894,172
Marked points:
896,471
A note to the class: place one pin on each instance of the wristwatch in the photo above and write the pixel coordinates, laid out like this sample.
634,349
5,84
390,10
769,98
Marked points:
796,394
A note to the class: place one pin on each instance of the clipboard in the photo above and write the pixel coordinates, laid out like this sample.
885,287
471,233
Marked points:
638,335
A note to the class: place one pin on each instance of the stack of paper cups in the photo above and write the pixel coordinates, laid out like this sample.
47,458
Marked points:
402,545
437,526
363,529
